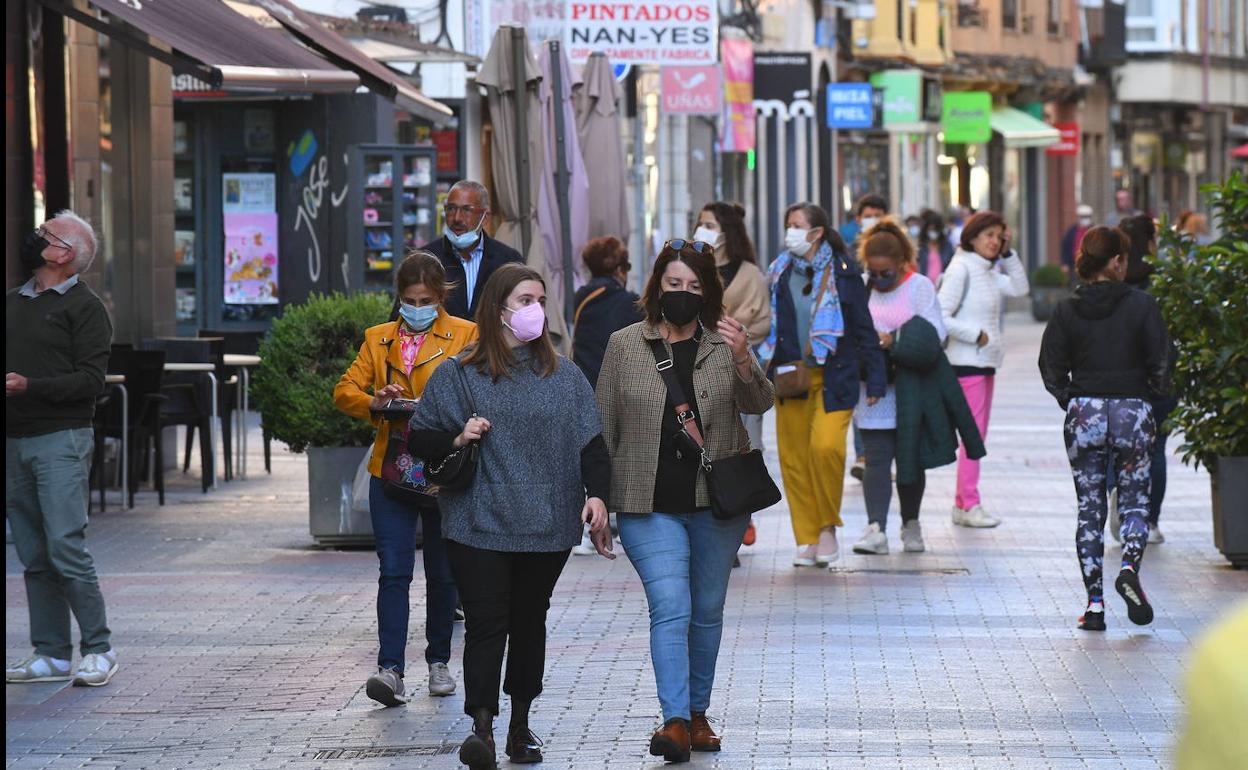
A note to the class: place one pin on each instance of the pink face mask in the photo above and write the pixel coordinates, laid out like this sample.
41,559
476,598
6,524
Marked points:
528,322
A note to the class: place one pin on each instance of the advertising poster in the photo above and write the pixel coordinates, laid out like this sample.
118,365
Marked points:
250,214
737,127
251,259
691,90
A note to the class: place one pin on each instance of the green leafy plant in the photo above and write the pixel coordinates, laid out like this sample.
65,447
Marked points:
305,353
1203,292
1049,277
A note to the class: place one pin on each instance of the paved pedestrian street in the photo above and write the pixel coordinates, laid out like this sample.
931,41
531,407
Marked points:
242,646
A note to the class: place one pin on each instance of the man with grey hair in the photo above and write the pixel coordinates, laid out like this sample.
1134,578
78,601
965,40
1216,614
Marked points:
56,352
468,254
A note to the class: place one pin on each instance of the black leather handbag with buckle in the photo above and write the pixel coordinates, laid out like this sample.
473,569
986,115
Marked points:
455,472
740,484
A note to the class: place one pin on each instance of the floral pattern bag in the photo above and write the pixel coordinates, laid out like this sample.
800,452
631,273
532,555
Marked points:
402,475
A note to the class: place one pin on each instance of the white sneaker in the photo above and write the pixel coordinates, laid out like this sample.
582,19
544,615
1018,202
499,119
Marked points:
805,555
912,537
38,668
441,683
976,517
1115,521
827,549
96,669
1155,536
386,687
873,541
586,548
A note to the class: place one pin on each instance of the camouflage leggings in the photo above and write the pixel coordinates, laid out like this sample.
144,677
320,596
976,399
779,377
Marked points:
1104,433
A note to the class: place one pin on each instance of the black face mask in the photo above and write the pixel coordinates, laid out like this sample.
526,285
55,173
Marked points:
884,281
32,251
680,307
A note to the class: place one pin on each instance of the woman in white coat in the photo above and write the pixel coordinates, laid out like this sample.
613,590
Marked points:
981,275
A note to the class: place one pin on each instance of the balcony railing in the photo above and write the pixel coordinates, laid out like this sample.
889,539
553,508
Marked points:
972,15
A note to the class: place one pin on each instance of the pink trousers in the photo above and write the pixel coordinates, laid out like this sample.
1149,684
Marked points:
978,392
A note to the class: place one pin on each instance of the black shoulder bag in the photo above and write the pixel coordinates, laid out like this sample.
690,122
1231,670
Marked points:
739,485
455,472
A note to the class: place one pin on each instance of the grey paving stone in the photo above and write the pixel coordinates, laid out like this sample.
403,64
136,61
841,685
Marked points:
245,648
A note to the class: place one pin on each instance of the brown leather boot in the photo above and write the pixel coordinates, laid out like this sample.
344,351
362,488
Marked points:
671,741
701,736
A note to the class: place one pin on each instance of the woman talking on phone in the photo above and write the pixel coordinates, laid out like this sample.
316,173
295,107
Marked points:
542,469
395,362
983,272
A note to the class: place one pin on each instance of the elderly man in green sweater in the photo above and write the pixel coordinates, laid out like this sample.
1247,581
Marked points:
57,337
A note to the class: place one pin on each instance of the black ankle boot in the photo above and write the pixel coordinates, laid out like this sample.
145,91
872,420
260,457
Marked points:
477,751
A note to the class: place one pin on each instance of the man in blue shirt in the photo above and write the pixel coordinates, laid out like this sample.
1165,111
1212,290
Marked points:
468,254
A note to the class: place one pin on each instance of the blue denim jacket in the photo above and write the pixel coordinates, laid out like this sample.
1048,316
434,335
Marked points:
858,352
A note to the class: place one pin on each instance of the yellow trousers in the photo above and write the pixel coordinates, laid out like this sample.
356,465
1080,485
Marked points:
812,460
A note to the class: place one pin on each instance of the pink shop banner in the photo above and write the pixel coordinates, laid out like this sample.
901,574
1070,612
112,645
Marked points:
251,259
737,126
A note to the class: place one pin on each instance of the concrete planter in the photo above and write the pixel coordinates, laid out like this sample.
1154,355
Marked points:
1230,509
1044,300
331,471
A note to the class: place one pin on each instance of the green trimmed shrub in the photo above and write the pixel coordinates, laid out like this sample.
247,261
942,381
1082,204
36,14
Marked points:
305,353
1203,292
1049,277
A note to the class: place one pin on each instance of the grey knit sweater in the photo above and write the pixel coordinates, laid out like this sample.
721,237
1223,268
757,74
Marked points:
528,492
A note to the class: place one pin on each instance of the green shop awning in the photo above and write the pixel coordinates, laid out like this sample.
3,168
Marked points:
1019,129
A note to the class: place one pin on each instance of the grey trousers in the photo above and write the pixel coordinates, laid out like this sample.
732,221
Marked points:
880,448
45,500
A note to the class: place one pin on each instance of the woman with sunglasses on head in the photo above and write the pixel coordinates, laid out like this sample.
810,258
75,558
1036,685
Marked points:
542,470
1104,357
395,362
681,551
821,337
984,271
923,392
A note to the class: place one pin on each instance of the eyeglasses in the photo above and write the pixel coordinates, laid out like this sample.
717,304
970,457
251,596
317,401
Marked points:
680,244
53,239
451,210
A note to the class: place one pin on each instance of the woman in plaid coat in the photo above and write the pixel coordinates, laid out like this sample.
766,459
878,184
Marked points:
682,553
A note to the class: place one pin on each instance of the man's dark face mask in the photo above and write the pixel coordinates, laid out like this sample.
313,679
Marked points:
32,251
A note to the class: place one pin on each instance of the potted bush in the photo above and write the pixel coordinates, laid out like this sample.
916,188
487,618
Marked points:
1203,291
304,354
1049,286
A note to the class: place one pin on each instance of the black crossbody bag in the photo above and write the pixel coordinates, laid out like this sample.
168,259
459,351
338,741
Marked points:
739,485
455,472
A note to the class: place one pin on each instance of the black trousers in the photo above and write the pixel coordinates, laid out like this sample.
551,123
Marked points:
505,597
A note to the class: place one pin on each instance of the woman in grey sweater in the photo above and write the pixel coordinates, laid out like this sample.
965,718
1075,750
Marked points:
543,469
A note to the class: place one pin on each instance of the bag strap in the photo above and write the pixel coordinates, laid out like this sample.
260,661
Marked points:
823,289
593,295
676,394
463,382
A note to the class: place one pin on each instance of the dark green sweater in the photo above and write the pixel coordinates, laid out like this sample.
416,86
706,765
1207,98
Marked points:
931,408
60,343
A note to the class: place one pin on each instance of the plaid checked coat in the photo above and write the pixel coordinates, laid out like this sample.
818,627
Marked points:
632,399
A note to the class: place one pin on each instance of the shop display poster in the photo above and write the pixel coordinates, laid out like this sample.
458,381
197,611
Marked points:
248,193
251,258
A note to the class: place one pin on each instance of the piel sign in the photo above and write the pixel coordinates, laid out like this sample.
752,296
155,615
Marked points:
1069,143
691,90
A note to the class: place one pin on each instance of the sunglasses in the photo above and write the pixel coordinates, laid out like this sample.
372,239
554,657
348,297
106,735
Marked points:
885,274
809,273
680,244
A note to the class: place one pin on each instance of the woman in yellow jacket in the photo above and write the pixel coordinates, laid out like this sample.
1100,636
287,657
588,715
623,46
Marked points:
396,361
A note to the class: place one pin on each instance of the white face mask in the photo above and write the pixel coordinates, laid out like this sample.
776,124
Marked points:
795,241
707,235
869,222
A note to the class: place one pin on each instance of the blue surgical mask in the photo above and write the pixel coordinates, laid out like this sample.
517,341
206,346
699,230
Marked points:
464,240
418,319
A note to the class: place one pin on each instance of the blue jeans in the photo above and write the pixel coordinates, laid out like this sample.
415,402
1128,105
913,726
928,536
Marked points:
684,560
394,529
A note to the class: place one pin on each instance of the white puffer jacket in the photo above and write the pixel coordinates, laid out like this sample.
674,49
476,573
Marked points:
972,291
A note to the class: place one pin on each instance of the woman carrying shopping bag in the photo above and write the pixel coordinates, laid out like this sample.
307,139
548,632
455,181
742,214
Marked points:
518,424
395,362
